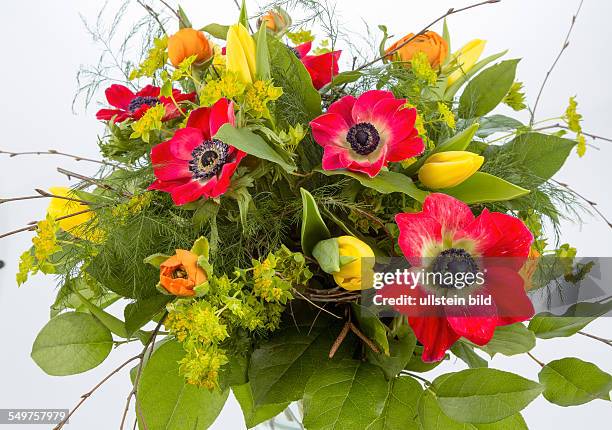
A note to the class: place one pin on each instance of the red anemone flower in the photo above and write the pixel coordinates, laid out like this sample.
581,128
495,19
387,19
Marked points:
364,134
134,105
446,237
193,164
322,68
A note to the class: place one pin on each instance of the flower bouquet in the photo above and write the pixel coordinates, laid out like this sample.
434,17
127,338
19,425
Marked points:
267,217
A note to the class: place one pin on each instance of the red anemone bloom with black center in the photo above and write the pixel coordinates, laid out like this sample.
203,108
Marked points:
130,105
194,164
445,237
322,68
364,134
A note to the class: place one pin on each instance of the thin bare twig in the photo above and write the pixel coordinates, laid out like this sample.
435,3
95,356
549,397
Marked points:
41,195
154,14
90,392
591,203
55,152
314,304
178,15
600,339
535,359
451,11
554,64
564,127
343,333
364,338
33,224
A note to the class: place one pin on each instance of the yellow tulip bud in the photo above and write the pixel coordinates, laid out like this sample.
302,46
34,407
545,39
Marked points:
60,207
240,53
465,59
349,276
449,169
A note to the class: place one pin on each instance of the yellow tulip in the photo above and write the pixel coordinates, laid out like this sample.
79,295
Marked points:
349,276
240,53
465,59
449,169
75,225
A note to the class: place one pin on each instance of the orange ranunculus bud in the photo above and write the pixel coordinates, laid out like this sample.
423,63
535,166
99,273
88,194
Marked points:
180,274
430,43
529,268
187,42
275,20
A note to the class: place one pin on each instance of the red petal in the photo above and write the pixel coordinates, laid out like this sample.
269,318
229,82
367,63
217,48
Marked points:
452,214
219,115
344,107
329,129
119,96
385,110
516,240
187,193
184,142
166,186
364,106
107,114
322,68
303,49
165,166
482,231
404,149
418,231
479,330
149,91
506,287
179,97
370,168
436,335
199,118
335,157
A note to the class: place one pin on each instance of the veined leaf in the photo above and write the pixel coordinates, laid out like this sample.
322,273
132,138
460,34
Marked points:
452,90
251,143
510,340
385,182
465,352
487,90
482,187
400,407
485,395
400,353
254,415
571,381
216,30
497,123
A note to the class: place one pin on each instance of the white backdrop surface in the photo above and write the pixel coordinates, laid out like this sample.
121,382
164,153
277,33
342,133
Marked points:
43,44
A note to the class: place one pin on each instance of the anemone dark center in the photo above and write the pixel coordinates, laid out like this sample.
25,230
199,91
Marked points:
208,159
456,262
363,138
139,101
295,52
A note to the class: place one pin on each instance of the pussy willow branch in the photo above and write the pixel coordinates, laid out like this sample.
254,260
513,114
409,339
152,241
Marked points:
591,203
554,64
133,393
54,152
90,392
153,14
600,339
451,11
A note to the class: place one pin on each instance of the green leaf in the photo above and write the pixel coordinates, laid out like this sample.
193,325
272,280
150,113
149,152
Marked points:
497,123
385,182
244,16
400,407
482,187
541,154
370,324
114,324
327,254
571,381
446,36
465,352
314,229
343,79
431,417
140,312
510,340
216,30
255,415
280,368
167,401
400,353
71,343
416,363
156,260
262,55
485,395
450,92
251,143
549,326
201,248
349,394
487,90
183,21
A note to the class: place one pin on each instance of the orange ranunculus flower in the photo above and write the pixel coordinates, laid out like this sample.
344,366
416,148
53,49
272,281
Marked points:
187,42
529,268
430,43
180,274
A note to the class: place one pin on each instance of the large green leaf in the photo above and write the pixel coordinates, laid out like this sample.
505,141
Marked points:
348,394
465,352
280,367
549,326
401,349
485,395
497,123
571,381
71,343
431,417
385,182
510,340
140,312
262,55
487,90
314,229
167,402
400,407
541,155
216,30
251,143
254,415
482,187
450,92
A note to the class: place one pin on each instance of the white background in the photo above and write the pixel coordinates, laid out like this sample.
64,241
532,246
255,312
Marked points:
43,44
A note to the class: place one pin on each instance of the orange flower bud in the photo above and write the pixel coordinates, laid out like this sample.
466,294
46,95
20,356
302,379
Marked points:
529,268
187,42
274,21
180,274
430,43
